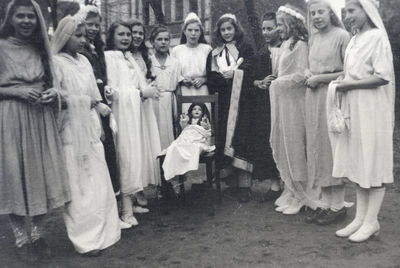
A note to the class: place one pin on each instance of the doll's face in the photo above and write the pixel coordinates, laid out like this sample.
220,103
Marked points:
24,22
161,42
197,112
227,31
92,26
321,16
137,35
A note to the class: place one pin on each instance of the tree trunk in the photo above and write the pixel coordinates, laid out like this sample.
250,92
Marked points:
156,5
254,23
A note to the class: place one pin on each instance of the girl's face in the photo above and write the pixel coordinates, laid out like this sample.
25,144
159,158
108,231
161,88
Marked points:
355,15
137,35
227,31
92,26
192,33
161,42
76,42
197,112
122,38
270,31
320,16
24,22
281,28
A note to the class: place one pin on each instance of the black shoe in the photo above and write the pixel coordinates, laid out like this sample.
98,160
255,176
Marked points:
330,216
42,249
314,215
244,195
271,195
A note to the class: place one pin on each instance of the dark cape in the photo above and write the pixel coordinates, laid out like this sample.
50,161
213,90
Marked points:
96,59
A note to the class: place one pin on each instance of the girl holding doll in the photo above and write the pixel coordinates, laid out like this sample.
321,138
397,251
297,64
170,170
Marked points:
229,73
363,152
287,94
92,216
328,42
167,76
129,91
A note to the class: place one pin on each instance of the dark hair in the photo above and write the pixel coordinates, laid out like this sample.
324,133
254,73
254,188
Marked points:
269,16
156,30
202,39
203,109
238,31
142,48
295,27
37,39
111,32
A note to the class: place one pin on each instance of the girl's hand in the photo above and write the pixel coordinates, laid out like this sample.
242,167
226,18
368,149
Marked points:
307,73
198,82
103,110
313,82
151,91
187,82
205,123
108,92
29,94
228,74
94,103
343,86
48,96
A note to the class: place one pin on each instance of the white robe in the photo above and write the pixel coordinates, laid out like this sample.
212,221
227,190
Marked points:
92,216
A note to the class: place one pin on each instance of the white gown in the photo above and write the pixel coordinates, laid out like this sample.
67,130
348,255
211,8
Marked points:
92,216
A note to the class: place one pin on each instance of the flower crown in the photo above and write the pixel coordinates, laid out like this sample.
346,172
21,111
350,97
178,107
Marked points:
230,16
292,12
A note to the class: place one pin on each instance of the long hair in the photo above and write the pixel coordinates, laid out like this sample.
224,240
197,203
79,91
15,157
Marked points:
239,35
203,109
142,48
37,38
111,32
296,28
202,39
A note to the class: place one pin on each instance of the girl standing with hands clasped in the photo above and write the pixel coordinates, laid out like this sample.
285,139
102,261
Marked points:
192,55
328,42
167,72
229,73
129,87
33,178
363,152
287,94
92,216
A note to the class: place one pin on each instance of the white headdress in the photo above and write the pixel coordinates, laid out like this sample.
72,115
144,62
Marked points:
292,12
229,15
84,11
192,17
311,28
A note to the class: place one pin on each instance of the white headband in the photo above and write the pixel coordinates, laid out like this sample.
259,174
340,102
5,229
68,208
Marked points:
292,12
230,16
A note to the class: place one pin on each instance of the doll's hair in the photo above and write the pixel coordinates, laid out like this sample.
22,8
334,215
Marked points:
239,35
111,31
202,39
142,48
203,109
295,27
156,30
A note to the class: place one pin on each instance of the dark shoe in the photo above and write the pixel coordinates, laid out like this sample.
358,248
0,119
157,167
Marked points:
330,216
92,253
244,195
271,195
198,188
42,249
314,215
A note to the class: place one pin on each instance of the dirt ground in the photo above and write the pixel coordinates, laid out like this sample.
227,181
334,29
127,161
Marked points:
238,235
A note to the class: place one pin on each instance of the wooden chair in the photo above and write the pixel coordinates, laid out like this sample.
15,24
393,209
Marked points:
209,159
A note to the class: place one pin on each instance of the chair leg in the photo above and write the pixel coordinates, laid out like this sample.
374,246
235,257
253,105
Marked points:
218,184
210,191
182,187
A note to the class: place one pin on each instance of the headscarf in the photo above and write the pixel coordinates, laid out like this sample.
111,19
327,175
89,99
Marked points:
6,31
66,28
327,3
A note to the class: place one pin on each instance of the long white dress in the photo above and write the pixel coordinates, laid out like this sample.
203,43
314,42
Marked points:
92,216
364,152
193,62
137,138
167,78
